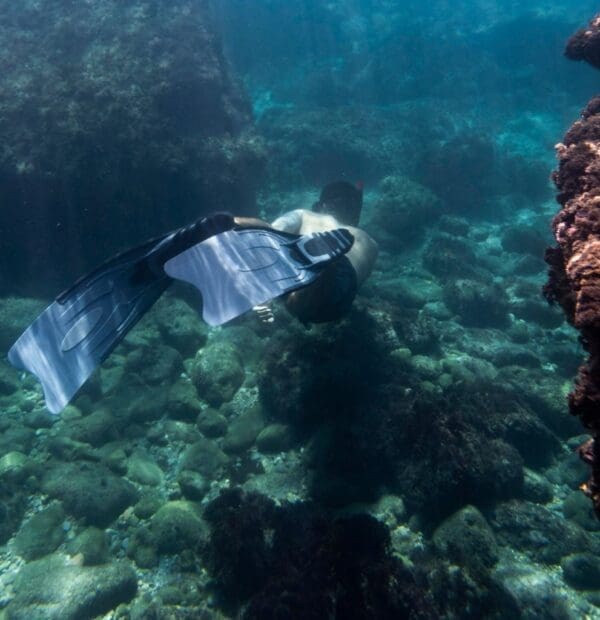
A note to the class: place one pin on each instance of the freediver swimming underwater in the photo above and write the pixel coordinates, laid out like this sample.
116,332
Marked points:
315,259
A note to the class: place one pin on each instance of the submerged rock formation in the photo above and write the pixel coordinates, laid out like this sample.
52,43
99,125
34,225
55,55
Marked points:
118,121
574,275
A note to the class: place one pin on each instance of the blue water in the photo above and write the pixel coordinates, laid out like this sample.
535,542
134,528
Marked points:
414,458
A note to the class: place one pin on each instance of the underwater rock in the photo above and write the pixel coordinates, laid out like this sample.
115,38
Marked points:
13,501
460,170
402,210
305,565
204,457
193,485
217,372
15,467
182,403
538,531
141,93
143,470
55,588
244,430
15,315
582,571
417,331
455,226
142,548
155,365
534,310
524,240
274,438
89,491
68,449
177,525
477,304
514,355
179,325
211,423
92,544
9,379
95,429
536,488
461,459
147,405
410,292
467,539
574,274
148,504
577,508
446,256
42,533
16,438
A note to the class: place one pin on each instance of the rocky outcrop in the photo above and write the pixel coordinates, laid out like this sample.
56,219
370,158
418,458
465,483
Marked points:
118,121
574,275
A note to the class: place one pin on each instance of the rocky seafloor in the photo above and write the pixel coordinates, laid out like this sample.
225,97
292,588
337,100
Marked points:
414,460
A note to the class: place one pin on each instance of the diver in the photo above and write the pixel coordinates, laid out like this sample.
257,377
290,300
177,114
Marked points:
315,260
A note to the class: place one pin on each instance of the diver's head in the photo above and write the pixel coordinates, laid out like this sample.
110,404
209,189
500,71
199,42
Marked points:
342,200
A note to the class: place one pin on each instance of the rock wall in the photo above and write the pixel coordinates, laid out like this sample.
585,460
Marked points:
118,121
574,275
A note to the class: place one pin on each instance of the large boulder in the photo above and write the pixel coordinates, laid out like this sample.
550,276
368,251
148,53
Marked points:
90,491
121,110
54,588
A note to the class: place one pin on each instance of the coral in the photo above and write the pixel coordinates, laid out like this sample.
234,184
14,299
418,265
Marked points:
585,44
574,274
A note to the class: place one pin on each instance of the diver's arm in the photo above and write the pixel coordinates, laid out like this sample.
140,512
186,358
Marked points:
250,222
290,222
362,254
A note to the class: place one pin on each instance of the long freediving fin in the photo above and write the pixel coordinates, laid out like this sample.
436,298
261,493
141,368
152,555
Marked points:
239,269
78,331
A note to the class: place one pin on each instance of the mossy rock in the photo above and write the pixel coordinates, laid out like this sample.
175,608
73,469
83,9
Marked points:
582,571
143,470
15,315
14,466
204,457
89,491
96,429
244,430
155,365
41,534
211,423
54,588
177,525
193,485
142,549
149,503
466,539
9,379
274,438
217,373
179,325
183,403
92,544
